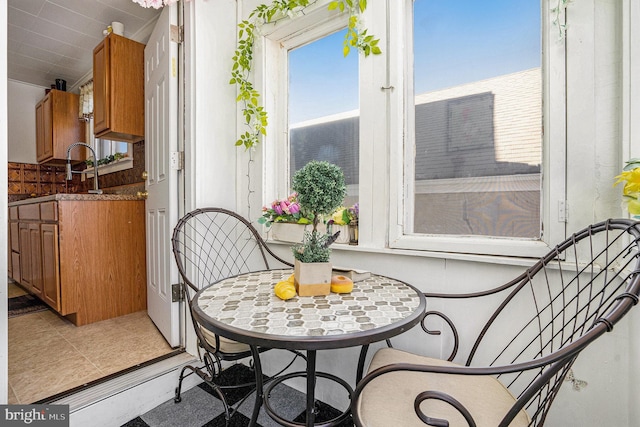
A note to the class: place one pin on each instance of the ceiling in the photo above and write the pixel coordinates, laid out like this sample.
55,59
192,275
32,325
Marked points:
50,39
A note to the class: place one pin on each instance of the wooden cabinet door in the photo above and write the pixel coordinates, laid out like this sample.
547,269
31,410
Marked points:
15,264
47,119
35,258
14,251
101,87
57,126
40,131
25,257
50,265
118,89
9,252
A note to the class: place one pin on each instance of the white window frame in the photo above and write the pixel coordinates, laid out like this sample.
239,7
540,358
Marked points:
316,23
118,165
553,163
386,112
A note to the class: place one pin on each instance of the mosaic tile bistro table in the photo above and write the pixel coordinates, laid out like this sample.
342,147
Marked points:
244,308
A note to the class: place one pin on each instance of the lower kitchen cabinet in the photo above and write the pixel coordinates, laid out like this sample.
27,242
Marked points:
26,257
50,265
35,258
14,247
83,255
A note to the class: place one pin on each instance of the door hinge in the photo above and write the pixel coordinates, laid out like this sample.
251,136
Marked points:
177,34
563,211
177,160
176,293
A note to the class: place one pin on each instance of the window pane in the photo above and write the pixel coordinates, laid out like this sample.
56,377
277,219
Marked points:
478,118
323,108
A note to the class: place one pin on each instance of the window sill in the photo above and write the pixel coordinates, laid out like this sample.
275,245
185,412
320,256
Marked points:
484,258
118,165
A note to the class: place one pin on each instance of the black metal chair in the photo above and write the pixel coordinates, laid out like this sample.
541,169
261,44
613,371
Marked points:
211,244
526,348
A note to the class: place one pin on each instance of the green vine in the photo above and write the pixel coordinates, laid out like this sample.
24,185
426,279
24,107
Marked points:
559,11
255,116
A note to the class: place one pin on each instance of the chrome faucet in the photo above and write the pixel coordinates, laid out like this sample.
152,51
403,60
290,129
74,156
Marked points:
70,172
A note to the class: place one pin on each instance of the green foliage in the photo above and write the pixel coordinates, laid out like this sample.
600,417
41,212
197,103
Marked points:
559,12
106,160
367,44
631,164
314,247
320,188
255,116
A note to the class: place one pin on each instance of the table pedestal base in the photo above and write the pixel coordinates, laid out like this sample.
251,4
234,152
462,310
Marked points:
311,375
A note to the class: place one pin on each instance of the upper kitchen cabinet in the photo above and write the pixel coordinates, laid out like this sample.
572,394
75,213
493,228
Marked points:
118,89
57,127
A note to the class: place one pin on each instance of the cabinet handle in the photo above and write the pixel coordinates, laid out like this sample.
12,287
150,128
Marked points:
142,194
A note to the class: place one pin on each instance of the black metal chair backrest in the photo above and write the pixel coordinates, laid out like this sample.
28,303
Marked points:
210,244
557,307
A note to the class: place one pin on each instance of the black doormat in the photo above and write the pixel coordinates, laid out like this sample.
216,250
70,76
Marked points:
25,304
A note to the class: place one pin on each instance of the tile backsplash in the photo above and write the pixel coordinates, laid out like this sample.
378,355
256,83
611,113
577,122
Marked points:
27,180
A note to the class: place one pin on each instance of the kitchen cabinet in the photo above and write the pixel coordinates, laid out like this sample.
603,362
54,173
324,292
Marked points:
50,265
57,127
118,89
84,255
30,248
14,245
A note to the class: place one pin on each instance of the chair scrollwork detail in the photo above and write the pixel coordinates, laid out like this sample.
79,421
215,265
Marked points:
454,331
437,422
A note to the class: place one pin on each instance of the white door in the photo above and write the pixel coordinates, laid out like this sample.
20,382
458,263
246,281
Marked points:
161,139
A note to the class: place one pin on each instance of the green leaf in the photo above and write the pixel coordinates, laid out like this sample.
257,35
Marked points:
376,50
345,50
333,5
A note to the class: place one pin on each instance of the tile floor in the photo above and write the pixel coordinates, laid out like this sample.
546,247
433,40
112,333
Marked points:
49,355
201,407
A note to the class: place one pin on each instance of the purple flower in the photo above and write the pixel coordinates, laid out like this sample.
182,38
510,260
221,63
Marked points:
294,208
276,207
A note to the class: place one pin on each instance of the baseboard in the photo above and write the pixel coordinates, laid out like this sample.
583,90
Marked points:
115,402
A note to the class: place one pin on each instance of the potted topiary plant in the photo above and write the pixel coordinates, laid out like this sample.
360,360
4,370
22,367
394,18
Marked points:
321,189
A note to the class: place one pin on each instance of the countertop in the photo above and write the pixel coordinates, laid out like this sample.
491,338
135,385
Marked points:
77,197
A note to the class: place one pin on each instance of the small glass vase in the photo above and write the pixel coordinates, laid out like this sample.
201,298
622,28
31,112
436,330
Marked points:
353,233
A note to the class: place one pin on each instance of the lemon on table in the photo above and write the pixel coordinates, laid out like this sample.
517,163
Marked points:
285,290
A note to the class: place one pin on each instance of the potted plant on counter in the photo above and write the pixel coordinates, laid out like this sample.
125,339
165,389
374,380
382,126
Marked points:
321,189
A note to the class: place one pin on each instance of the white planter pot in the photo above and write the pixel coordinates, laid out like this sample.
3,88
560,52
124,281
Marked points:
344,233
312,278
292,233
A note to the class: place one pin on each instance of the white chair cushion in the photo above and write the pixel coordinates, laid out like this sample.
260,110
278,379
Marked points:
388,400
226,345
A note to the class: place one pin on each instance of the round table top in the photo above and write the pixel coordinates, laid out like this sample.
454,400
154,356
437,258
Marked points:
244,308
